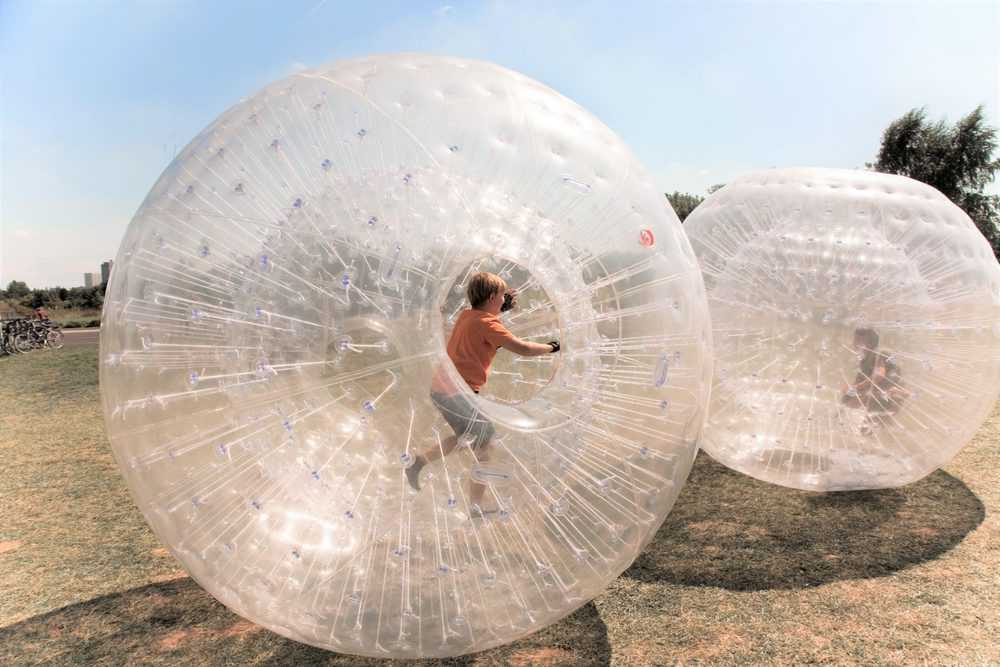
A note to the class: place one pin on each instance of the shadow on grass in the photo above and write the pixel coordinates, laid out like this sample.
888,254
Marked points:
177,622
732,531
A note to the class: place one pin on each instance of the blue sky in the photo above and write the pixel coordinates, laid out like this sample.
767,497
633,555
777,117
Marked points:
95,97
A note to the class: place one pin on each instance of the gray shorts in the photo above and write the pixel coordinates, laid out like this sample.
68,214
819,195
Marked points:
464,418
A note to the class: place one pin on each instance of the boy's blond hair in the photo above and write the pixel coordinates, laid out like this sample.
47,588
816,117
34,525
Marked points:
482,286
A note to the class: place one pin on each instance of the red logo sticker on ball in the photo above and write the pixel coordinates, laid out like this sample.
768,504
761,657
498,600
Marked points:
646,238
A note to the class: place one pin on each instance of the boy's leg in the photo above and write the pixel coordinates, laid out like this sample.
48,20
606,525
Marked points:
447,407
481,453
444,448
476,489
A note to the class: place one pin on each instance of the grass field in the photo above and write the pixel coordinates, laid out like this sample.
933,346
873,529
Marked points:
741,573
76,316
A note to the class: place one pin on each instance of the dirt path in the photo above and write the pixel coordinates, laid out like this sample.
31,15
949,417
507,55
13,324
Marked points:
81,337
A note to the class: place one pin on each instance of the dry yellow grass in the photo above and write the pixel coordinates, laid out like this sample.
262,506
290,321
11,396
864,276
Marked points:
741,573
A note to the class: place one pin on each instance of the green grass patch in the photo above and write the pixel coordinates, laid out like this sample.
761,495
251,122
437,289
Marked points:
81,324
70,317
44,376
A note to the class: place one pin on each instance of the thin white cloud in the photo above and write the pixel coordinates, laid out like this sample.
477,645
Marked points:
316,7
297,66
442,11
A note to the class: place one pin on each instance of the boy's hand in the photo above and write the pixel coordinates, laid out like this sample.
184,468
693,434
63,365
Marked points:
554,344
509,301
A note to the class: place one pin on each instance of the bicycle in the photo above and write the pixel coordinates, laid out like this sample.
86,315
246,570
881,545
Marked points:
48,332
5,348
14,338
23,335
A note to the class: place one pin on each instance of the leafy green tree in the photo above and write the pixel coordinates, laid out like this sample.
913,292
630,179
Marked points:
37,298
16,290
84,297
683,203
91,298
956,159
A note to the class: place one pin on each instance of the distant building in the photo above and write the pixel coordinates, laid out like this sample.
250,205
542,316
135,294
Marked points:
106,270
91,279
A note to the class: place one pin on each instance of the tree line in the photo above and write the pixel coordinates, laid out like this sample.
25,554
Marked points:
18,293
956,159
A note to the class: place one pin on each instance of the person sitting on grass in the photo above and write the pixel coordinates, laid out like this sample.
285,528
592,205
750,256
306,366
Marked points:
477,336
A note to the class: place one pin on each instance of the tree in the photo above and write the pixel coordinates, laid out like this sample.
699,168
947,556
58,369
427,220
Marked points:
84,297
36,299
16,290
683,203
957,160
91,297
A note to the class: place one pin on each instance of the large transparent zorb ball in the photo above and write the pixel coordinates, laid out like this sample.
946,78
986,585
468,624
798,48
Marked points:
856,321
281,304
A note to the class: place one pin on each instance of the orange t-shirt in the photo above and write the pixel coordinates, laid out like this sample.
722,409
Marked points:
473,344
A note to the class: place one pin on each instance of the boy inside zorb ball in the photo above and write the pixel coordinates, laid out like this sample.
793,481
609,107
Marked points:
475,339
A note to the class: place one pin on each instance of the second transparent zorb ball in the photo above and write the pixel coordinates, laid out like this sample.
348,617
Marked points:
856,328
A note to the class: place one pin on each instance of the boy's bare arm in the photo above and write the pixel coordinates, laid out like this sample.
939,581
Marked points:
526,348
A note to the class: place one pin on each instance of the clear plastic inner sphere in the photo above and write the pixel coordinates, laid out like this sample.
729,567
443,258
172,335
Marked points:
282,301
856,321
